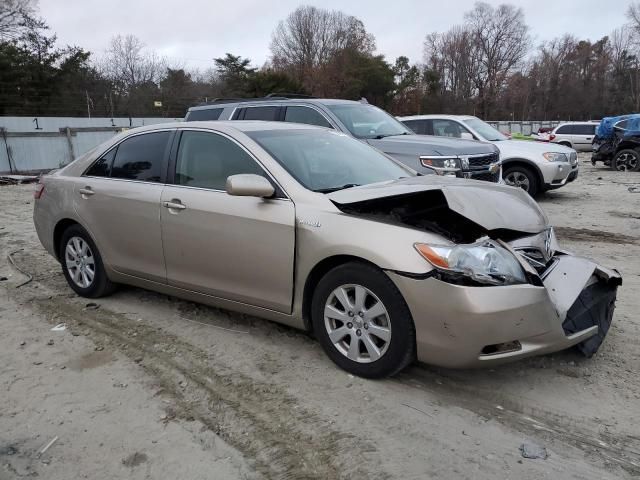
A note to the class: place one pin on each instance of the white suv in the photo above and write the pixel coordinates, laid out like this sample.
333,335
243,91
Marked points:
532,166
577,135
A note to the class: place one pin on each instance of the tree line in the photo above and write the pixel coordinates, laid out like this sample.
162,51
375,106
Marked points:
486,66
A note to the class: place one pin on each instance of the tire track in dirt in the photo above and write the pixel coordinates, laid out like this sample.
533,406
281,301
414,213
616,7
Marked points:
261,420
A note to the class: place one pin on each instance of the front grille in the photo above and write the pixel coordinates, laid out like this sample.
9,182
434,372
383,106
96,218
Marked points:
486,176
479,161
536,259
573,158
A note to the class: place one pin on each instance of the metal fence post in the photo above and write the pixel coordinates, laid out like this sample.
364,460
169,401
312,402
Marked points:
72,155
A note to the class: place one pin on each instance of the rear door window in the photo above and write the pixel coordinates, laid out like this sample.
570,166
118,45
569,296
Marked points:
306,115
142,157
584,129
205,114
418,126
260,113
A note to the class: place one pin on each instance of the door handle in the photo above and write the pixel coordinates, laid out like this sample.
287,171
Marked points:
174,205
86,191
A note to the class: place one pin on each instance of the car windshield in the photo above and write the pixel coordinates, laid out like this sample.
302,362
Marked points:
367,121
487,132
325,161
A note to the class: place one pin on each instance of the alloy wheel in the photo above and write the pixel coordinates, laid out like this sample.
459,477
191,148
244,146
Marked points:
80,262
517,179
358,323
626,162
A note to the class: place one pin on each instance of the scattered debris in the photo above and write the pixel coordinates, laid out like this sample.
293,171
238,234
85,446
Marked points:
17,179
9,450
533,451
134,459
61,327
23,343
47,446
3,279
416,409
91,306
634,189
50,342
12,261
99,348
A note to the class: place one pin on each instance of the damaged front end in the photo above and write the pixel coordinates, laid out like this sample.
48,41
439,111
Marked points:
549,301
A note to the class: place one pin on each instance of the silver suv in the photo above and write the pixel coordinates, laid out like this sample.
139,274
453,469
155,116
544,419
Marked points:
443,156
576,135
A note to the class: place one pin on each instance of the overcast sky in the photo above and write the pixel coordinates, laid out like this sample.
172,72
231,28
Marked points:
193,32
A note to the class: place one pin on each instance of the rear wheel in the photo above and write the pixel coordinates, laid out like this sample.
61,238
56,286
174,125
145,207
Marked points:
627,160
565,144
362,321
521,177
82,264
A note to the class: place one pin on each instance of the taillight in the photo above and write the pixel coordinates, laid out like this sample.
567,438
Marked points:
37,193
551,137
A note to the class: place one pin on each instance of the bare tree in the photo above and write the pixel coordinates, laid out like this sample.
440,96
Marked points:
16,17
128,65
311,37
500,41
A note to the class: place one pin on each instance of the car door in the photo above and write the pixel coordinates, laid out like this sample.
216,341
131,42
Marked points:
118,201
236,248
446,128
584,136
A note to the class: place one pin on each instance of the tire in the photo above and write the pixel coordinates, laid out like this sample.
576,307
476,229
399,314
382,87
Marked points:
627,160
395,324
522,177
77,268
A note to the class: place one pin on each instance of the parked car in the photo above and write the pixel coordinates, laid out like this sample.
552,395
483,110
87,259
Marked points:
576,135
532,166
617,143
311,228
468,159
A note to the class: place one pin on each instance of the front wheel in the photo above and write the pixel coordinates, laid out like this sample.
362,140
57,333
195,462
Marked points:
82,264
362,321
521,177
626,160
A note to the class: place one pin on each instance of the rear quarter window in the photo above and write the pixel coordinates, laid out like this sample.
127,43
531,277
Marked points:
204,114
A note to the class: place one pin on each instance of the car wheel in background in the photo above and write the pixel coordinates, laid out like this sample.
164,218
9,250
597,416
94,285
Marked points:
82,264
627,160
521,177
362,321
565,144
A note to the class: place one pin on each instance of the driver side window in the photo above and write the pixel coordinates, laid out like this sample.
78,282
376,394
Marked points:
205,160
447,128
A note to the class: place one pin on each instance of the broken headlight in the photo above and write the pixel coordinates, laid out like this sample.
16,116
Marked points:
484,262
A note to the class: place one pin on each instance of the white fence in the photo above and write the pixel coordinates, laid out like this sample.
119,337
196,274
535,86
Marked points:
29,144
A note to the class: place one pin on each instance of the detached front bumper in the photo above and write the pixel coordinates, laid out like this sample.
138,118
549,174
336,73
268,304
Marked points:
460,326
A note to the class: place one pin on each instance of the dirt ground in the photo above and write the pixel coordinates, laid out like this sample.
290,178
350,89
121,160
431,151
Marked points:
141,385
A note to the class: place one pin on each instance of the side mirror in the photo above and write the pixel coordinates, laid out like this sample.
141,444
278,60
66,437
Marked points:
466,136
249,185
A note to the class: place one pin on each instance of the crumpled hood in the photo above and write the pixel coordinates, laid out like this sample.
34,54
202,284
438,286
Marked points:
513,148
491,206
431,145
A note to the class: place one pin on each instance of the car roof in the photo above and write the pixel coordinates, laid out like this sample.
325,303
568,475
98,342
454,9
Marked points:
223,103
238,125
587,122
446,117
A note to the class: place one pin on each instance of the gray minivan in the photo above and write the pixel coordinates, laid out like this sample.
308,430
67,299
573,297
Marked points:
425,154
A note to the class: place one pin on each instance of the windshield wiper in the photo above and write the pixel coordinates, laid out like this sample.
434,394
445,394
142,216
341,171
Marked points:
335,189
380,137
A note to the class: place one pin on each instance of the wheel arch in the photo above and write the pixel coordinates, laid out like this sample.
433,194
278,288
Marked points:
319,270
58,230
626,145
509,162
